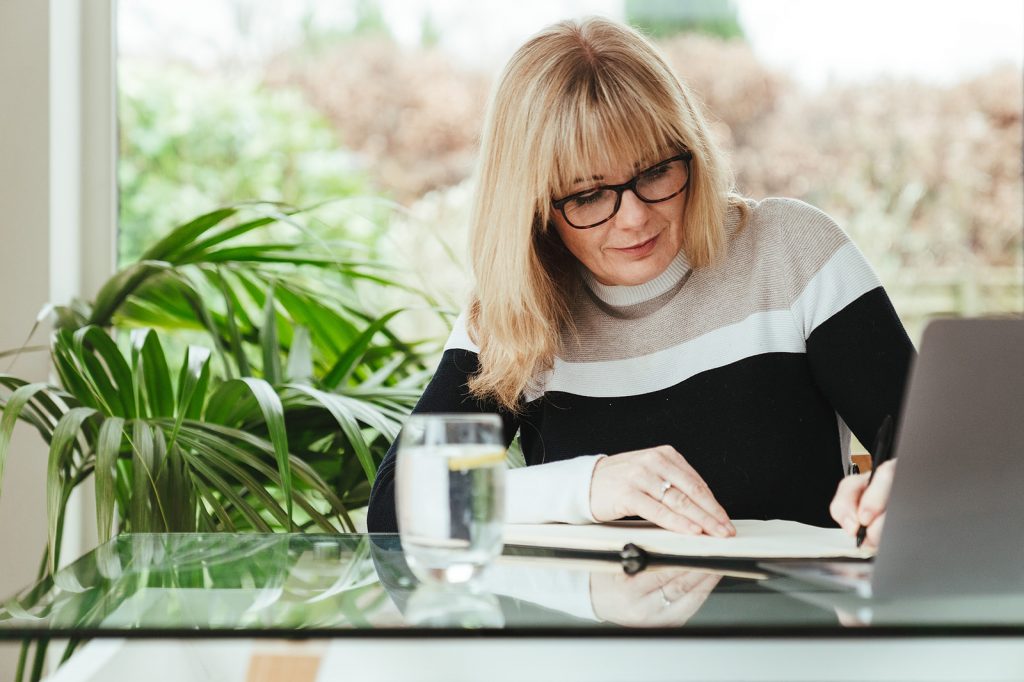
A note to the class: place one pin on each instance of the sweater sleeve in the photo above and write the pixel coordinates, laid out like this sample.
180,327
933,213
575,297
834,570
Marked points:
858,351
556,491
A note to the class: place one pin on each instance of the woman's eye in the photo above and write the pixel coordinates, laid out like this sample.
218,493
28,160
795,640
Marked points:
588,199
656,172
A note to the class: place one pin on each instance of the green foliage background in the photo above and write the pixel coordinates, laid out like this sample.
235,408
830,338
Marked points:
192,141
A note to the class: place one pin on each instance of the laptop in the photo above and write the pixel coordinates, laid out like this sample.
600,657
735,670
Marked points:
955,519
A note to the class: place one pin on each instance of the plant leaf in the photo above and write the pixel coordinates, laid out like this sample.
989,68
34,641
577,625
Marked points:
222,410
140,516
64,362
268,340
154,375
300,357
118,288
230,301
212,449
192,382
191,293
185,235
199,248
302,470
203,468
61,446
348,425
12,410
180,498
343,367
113,378
108,446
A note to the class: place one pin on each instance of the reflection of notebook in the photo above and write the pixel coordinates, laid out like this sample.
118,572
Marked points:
955,522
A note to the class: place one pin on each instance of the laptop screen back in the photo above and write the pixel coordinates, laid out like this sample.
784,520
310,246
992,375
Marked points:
955,522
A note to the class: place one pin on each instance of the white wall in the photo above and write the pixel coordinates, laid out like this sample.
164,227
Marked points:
24,275
56,231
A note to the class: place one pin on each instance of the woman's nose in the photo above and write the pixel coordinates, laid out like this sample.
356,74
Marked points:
632,211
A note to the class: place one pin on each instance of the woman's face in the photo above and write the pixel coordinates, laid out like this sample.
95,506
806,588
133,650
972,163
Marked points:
637,244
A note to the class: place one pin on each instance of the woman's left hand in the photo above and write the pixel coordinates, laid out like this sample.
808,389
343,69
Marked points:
659,485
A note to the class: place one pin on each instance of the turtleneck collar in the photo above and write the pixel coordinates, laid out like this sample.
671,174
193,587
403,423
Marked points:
639,293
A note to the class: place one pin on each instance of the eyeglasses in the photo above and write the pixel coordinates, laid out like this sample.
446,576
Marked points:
598,205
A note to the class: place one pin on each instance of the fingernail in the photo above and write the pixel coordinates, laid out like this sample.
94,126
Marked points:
723,531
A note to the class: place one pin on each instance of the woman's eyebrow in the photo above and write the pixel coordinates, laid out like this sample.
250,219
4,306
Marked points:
637,166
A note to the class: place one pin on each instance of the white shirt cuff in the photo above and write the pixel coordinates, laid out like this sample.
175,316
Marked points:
556,492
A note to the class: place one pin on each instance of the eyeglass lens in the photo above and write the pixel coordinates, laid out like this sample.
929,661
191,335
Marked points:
654,184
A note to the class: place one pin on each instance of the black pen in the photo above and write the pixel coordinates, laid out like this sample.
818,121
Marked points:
881,453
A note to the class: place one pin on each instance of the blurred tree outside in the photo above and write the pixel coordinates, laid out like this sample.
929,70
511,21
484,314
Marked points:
666,18
190,142
413,113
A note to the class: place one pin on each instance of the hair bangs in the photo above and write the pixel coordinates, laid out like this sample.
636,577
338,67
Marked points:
610,129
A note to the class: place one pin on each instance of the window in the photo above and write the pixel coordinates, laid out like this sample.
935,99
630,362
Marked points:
912,146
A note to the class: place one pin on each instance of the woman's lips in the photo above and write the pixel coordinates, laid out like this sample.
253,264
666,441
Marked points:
641,249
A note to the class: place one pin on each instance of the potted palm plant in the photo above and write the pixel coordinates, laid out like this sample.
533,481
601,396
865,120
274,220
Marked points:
231,379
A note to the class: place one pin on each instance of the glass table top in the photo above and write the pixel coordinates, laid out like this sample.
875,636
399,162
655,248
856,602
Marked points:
208,585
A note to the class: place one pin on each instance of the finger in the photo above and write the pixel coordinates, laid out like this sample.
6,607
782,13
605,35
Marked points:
685,478
654,486
844,504
874,499
874,535
647,507
705,586
681,504
686,582
689,603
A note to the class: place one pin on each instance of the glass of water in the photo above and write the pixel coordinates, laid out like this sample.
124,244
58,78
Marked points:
450,494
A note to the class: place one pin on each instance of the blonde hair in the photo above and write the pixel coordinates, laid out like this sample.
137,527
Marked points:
578,96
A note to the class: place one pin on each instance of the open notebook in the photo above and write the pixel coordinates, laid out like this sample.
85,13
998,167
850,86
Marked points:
754,539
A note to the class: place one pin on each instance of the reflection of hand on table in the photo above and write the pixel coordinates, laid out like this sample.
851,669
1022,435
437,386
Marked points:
661,597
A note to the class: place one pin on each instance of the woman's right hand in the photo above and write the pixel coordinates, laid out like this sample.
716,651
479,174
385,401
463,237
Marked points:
659,485
856,504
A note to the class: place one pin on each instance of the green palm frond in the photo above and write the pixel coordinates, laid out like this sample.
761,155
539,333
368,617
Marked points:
235,379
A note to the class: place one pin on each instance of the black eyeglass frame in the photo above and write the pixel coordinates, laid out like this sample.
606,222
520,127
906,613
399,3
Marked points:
686,156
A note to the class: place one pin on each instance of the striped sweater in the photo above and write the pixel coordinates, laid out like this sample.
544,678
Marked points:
755,369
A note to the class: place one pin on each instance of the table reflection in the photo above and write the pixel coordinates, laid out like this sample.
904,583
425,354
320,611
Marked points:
191,585
463,606
543,588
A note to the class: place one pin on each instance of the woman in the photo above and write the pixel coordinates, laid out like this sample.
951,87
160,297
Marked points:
664,347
